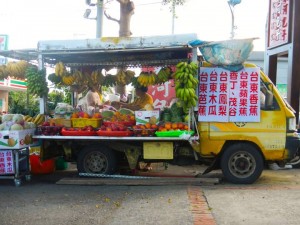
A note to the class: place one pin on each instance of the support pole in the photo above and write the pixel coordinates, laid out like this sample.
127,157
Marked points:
42,99
99,19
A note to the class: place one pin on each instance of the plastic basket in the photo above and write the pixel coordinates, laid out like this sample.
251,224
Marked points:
41,167
115,133
82,122
173,133
60,122
227,53
144,132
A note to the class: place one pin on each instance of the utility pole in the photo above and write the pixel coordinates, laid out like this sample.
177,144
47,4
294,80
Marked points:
173,16
99,19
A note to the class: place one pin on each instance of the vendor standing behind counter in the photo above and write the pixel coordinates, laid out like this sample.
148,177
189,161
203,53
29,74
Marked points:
142,99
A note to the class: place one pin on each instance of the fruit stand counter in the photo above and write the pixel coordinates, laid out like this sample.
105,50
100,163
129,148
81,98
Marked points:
58,137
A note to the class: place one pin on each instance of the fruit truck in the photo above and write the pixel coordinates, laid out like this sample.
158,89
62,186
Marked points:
235,129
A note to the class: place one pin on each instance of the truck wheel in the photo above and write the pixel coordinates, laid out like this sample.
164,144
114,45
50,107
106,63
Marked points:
96,160
242,164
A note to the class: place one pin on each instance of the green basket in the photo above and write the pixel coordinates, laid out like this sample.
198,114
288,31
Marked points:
173,133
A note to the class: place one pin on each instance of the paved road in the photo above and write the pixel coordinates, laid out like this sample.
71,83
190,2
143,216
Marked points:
274,199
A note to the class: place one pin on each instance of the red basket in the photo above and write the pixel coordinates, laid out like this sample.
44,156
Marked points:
125,123
78,133
144,132
115,133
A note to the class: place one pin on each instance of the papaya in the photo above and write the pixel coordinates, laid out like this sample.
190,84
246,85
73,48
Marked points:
125,111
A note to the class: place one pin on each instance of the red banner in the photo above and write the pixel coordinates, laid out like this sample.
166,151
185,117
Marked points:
162,94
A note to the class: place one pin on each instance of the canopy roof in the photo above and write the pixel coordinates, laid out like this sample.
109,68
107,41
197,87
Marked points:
110,51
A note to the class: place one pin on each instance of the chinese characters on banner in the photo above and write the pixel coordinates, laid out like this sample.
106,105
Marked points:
226,96
6,162
278,22
162,94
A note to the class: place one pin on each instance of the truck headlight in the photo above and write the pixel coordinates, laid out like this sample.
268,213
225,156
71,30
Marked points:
292,124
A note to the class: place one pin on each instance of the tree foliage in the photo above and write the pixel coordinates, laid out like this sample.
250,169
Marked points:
18,102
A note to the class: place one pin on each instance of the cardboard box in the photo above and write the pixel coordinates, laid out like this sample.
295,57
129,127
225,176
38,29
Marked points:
142,117
17,139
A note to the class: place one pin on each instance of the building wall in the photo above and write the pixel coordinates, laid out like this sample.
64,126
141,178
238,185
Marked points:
257,57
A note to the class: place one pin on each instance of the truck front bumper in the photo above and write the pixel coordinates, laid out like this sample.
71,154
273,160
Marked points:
293,146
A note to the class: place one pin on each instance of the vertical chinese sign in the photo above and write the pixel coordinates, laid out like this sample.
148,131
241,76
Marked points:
278,23
226,96
6,162
3,46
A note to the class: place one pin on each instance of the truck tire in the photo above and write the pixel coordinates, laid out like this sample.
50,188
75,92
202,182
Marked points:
242,163
94,159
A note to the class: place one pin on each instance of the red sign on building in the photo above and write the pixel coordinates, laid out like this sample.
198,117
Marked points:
278,23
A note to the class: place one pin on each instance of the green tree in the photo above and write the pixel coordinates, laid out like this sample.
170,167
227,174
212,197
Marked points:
126,12
19,102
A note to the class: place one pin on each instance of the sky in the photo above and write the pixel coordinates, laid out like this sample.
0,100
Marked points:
28,21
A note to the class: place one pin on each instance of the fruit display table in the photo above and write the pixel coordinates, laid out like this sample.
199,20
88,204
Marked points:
14,164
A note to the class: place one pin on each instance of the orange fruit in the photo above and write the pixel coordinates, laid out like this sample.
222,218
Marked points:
160,128
86,115
174,126
180,126
186,127
97,115
168,125
74,115
148,125
154,126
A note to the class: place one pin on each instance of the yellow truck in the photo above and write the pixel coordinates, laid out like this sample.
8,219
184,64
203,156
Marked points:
241,149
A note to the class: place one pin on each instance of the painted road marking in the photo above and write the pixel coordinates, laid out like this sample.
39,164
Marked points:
199,207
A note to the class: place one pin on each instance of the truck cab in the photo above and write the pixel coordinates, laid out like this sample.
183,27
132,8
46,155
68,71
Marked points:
243,149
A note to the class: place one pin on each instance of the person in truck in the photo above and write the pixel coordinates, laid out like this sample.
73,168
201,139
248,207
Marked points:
142,99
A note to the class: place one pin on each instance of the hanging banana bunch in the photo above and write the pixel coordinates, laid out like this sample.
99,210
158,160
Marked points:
78,77
129,76
68,79
186,83
60,69
147,78
97,77
36,81
3,72
120,77
163,75
17,69
54,79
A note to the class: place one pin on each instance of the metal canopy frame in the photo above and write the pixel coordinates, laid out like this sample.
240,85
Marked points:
114,51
